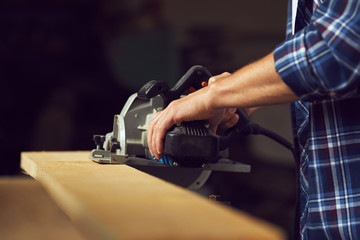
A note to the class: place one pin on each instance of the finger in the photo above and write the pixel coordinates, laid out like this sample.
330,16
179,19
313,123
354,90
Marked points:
149,135
229,112
249,111
230,118
158,141
217,77
230,122
150,131
155,127
161,127
214,128
216,120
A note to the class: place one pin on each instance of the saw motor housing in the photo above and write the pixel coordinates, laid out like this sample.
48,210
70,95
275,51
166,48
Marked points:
191,144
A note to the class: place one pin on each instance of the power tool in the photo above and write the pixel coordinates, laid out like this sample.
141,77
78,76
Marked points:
191,150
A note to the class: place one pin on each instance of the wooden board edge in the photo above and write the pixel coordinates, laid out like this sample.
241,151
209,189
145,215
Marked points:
90,227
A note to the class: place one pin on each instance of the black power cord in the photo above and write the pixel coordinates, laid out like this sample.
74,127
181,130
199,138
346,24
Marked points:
245,127
256,129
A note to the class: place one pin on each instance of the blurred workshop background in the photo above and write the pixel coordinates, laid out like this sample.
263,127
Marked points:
68,66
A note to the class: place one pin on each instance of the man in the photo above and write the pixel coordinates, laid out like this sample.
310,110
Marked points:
317,70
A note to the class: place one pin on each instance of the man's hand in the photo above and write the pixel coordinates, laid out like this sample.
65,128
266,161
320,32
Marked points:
195,106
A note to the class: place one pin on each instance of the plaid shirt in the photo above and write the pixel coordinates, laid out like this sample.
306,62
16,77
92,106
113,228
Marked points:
320,62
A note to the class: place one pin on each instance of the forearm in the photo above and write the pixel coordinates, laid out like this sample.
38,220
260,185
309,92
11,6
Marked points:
256,84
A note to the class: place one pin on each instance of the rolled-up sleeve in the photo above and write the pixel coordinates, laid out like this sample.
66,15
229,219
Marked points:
323,59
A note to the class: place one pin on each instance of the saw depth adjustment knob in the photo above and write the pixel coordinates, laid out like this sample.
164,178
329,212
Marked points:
99,141
114,145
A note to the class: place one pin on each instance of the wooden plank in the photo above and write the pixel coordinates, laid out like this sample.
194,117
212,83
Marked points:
27,212
119,202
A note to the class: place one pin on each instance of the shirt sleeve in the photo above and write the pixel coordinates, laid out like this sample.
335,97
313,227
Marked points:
322,60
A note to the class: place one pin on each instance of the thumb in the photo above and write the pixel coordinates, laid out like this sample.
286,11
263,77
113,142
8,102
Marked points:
217,77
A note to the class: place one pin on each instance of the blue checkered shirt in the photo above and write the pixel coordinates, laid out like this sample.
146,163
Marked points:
320,62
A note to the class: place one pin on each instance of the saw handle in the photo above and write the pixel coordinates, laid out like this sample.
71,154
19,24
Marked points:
195,78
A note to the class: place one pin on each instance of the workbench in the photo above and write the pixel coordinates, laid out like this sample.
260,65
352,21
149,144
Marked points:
119,202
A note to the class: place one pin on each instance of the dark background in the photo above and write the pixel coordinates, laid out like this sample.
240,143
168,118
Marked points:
68,66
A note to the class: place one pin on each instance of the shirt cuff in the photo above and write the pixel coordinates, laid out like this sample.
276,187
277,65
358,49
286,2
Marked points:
291,63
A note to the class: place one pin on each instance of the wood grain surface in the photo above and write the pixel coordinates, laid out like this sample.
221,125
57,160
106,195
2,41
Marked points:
28,212
120,202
